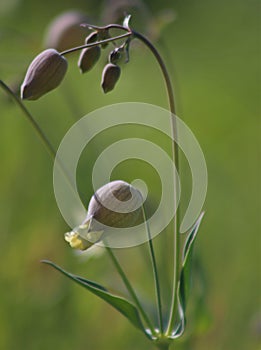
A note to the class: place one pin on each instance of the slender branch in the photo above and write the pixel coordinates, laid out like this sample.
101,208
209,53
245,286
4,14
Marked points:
155,271
38,130
31,119
175,157
107,27
122,36
130,289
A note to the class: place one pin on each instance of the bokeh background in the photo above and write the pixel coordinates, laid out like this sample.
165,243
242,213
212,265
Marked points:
212,49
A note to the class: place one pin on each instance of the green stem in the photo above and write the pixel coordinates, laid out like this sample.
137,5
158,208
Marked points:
38,130
31,119
155,271
130,290
175,157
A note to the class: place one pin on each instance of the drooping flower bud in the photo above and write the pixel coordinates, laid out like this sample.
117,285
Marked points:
90,55
44,74
88,58
115,55
110,75
114,205
91,38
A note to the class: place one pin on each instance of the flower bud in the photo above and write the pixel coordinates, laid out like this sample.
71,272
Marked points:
91,38
88,58
114,205
110,76
115,55
44,74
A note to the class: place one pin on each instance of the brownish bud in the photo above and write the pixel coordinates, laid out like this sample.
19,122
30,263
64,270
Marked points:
65,31
44,74
115,55
88,58
91,38
110,76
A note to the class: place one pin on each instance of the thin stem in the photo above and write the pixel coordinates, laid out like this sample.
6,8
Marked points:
107,27
31,119
38,130
155,271
175,157
122,36
130,289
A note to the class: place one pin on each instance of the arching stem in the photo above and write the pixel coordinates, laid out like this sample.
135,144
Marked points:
175,157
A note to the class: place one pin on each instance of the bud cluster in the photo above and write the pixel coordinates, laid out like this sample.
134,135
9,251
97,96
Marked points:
90,56
48,69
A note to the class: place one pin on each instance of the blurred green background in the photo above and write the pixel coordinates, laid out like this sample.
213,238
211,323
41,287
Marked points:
212,49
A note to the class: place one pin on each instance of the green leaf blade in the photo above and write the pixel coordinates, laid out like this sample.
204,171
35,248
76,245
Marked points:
185,278
125,307
185,275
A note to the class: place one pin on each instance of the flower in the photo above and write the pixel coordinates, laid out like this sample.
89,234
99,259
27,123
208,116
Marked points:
114,205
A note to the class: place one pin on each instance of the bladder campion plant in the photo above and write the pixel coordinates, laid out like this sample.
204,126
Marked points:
46,73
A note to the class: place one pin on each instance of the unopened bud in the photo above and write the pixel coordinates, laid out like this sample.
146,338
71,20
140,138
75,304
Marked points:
88,58
44,74
91,38
115,55
110,76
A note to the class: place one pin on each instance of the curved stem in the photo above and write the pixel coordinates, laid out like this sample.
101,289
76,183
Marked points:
107,27
130,289
175,157
155,271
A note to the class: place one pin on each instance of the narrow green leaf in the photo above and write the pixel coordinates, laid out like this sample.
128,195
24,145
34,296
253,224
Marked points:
122,305
191,238
185,278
